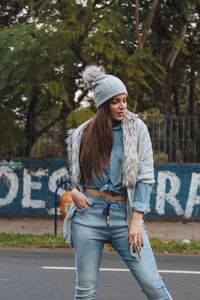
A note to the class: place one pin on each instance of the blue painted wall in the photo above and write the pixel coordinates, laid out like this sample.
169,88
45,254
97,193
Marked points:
27,188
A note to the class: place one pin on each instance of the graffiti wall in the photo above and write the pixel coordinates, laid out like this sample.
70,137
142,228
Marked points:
176,194
27,189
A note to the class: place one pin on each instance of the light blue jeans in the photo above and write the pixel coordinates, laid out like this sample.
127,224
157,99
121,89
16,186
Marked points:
89,234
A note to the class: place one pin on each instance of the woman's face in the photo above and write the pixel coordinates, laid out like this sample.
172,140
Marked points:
118,106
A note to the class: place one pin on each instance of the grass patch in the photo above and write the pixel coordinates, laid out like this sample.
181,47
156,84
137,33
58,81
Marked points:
171,246
31,240
8,240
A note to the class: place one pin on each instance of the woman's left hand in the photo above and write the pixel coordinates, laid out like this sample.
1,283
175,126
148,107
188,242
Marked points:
135,230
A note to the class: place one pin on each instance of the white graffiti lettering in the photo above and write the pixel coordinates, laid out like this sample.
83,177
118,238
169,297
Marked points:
12,179
193,198
29,185
56,176
162,196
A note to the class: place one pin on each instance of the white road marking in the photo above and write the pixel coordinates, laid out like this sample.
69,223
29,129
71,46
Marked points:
124,270
180,272
59,268
4,279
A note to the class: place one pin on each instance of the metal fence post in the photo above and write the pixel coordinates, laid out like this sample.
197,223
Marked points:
55,201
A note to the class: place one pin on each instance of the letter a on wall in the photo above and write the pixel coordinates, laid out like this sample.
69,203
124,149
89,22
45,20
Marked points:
193,198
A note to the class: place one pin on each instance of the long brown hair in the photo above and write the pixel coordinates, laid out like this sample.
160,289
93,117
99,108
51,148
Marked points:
97,143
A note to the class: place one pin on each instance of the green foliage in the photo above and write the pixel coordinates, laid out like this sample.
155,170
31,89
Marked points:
30,240
178,43
160,157
11,134
44,46
78,116
171,246
141,65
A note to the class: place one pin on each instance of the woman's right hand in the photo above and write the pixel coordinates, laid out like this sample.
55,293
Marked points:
79,199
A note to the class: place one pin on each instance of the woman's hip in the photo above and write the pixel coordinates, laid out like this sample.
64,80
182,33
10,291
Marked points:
104,213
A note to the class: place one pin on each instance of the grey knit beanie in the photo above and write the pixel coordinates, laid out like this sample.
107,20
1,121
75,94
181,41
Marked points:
104,86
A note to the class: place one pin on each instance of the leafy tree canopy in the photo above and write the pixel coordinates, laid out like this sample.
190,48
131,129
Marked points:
44,45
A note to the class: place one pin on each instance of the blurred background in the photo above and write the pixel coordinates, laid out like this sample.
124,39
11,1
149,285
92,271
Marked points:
153,46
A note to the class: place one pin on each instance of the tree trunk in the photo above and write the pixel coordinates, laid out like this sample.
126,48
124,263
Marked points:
191,88
166,92
30,133
169,64
176,100
141,40
192,98
29,129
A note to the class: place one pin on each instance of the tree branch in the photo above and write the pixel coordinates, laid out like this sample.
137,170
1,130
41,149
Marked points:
141,40
175,50
76,45
32,10
81,96
79,54
149,20
137,25
48,126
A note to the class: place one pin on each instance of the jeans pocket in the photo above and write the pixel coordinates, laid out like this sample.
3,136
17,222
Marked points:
82,209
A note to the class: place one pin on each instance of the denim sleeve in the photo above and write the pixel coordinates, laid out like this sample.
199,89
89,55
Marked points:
142,197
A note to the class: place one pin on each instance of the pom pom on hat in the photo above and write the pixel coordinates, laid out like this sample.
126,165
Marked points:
105,86
91,73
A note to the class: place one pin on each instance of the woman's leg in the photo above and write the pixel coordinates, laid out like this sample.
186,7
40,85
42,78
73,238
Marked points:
145,270
88,251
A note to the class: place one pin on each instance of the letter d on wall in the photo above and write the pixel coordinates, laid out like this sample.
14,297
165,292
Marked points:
162,196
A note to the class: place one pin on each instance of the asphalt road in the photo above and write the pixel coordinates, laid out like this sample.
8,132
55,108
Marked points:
28,275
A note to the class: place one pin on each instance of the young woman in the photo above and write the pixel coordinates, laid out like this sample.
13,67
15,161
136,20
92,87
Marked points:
111,165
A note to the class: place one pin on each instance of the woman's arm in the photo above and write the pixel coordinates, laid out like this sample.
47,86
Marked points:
139,206
135,230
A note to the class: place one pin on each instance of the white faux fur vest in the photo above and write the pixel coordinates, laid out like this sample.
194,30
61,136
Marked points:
137,158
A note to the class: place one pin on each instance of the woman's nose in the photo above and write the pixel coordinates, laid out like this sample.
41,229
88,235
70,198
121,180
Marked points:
122,104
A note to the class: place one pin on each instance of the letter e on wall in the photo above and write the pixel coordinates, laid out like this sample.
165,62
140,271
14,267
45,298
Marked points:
29,185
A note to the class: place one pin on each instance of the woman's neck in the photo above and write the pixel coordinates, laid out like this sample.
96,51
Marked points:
115,123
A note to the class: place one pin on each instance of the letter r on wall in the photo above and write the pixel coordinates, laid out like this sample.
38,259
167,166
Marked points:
163,196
